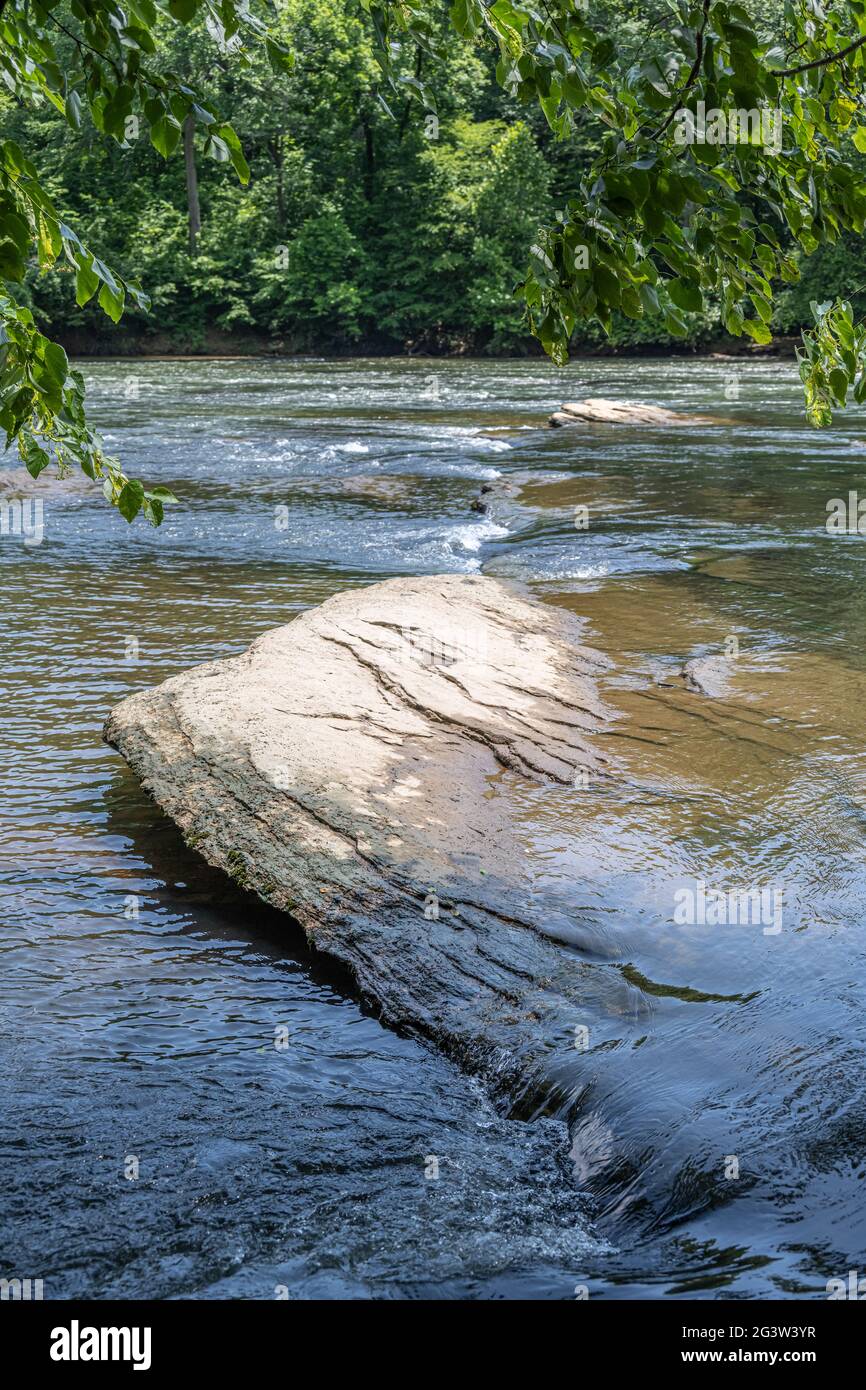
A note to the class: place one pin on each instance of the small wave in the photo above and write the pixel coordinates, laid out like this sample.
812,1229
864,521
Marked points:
472,537
468,470
584,572
354,447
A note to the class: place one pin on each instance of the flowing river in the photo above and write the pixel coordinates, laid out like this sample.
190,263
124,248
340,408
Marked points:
194,1104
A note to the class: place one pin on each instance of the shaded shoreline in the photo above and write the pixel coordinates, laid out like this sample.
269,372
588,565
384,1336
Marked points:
228,348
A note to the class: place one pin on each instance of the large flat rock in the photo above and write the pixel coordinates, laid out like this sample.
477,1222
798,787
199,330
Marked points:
596,410
414,772
354,768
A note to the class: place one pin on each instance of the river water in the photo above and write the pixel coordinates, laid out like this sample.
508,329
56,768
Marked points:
195,1105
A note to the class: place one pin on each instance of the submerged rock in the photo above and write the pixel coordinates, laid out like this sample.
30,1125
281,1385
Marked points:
480,503
707,675
17,482
351,769
598,411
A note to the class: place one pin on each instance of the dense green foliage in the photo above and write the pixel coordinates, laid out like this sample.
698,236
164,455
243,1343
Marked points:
393,170
358,227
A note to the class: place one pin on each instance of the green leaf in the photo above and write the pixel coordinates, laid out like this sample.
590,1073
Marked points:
111,302
758,331
630,302
131,499
13,226
675,325
86,283
649,299
226,134
607,286
217,148
73,110
183,10
763,306
56,361
734,322
627,185
165,134
34,456
686,294
839,385
466,16
49,241
281,59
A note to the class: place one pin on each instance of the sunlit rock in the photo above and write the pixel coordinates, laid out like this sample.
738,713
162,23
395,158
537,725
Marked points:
351,769
598,411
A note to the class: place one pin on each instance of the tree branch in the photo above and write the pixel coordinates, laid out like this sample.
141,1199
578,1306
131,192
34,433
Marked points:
82,44
822,62
693,74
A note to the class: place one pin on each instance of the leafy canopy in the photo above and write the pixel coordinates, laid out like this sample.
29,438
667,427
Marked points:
724,138
722,144
41,398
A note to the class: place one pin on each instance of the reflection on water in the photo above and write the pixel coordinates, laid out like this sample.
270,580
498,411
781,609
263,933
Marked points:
717,1118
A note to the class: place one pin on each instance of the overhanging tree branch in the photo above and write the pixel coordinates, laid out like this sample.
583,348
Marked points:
693,74
823,62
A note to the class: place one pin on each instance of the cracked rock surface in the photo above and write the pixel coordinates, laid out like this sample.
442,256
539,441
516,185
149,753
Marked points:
354,769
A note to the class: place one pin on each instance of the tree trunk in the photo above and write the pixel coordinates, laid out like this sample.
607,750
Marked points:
369,160
275,149
191,183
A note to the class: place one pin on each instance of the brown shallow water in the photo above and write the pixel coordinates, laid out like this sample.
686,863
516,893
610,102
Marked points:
708,1135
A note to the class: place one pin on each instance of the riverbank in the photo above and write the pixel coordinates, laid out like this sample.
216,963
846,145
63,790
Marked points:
118,344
